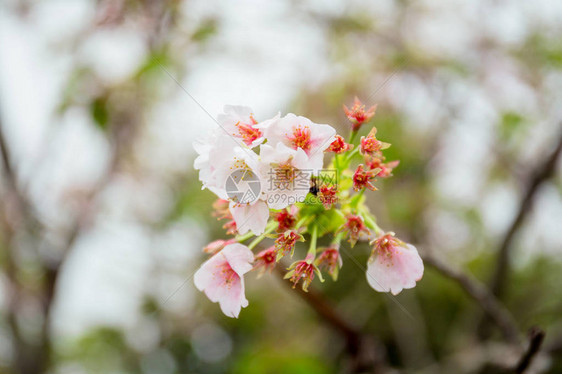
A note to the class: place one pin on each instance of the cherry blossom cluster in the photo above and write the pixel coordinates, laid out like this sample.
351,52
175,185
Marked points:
272,184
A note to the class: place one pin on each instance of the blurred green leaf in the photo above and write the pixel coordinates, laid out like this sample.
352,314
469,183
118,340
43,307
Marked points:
100,112
268,361
207,29
510,123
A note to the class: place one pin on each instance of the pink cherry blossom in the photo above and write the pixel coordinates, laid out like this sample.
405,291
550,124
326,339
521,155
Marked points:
250,217
221,278
297,132
288,174
217,164
239,122
393,265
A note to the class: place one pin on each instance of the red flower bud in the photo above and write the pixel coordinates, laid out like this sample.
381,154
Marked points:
303,270
357,115
265,260
355,227
285,243
339,145
330,259
370,145
362,178
286,219
328,195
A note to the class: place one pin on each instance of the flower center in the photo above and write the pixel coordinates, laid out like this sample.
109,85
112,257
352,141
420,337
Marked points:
301,138
269,257
386,244
285,174
228,275
248,133
240,164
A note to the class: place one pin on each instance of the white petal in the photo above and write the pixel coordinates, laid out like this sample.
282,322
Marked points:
250,216
263,125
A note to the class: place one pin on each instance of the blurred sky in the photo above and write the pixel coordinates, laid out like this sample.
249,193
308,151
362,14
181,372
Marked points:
262,56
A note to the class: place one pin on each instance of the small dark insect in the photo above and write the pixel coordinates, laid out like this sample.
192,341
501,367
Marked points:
314,187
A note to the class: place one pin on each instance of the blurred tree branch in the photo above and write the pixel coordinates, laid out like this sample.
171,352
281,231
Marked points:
17,216
501,273
541,175
34,357
367,355
536,337
479,293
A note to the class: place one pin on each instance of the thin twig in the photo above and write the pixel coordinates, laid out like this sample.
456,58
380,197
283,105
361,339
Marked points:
500,276
542,174
536,337
17,215
477,291
365,351
326,311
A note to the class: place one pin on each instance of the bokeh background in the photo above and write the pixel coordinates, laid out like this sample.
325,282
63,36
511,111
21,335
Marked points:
103,217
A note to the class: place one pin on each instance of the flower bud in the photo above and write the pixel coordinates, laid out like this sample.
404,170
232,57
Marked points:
330,259
362,178
357,115
376,162
339,145
221,210
286,219
285,243
328,195
303,270
217,245
370,145
355,227
265,260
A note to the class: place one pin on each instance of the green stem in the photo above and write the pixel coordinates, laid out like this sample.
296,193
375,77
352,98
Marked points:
351,154
258,240
302,222
356,198
246,236
370,222
313,240
336,162
352,136
338,238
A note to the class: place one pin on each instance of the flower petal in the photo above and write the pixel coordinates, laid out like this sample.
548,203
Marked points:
239,257
393,272
250,216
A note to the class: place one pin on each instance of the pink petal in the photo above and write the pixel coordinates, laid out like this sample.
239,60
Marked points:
234,300
239,257
395,272
232,262
204,276
322,137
